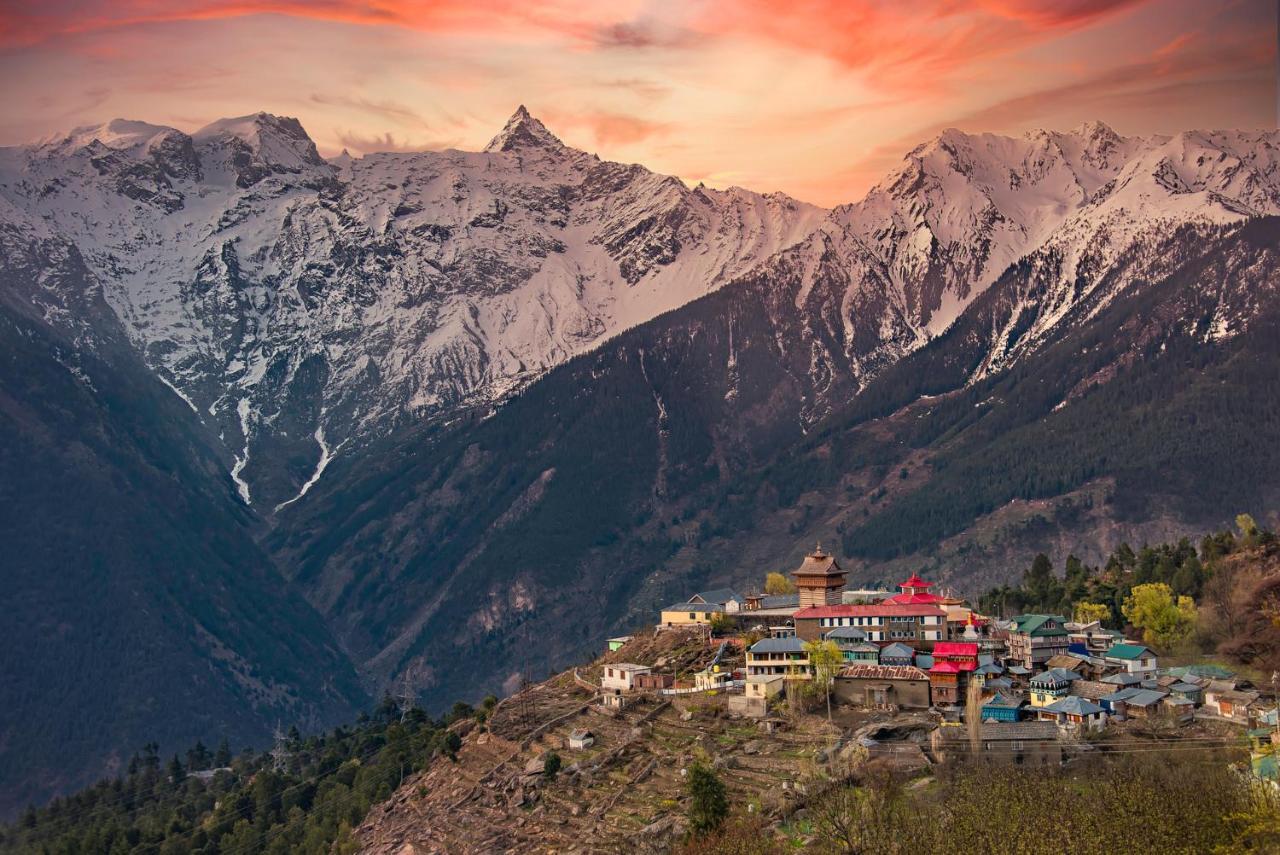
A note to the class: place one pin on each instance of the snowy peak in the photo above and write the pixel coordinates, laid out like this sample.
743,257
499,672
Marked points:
124,135
523,131
249,148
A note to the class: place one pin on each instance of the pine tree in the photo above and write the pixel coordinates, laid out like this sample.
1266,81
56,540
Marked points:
708,801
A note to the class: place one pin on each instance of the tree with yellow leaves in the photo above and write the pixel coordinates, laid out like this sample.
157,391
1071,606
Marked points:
1165,621
776,583
1089,612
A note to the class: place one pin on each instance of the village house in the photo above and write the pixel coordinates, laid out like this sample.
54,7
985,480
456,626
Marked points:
1002,707
1132,659
986,670
653,681
853,644
1193,692
1031,743
1069,662
621,676
997,684
690,614
714,678
882,622
897,654
1123,679
1114,703
1034,639
1051,686
953,661
1074,713
1222,698
1090,640
781,656
883,686
580,740
1091,690
1144,704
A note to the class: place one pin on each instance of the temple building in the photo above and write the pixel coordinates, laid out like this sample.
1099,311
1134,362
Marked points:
819,580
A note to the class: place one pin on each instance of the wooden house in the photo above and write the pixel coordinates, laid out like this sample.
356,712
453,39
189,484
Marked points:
1074,713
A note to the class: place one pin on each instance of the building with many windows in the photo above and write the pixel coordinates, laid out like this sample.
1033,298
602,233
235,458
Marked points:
1034,639
882,622
786,657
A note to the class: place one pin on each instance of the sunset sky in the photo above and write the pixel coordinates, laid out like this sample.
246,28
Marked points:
818,98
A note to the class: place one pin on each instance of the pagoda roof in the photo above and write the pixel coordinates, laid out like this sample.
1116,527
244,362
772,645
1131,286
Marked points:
952,667
916,599
818,563
916,582
955,648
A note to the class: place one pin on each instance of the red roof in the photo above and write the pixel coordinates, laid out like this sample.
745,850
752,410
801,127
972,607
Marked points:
873,610
952,667
955,648
914,599
916,582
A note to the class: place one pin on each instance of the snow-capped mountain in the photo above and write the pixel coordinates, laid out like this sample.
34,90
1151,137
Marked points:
880,277
301,304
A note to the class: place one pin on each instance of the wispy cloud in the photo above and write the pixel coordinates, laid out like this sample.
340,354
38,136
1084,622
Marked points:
372,143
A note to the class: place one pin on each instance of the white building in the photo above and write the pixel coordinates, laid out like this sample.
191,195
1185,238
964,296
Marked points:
621,676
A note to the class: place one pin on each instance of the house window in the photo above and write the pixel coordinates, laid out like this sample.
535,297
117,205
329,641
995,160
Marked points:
693,615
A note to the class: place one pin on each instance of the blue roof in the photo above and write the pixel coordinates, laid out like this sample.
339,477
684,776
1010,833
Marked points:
998,683
1019,670
1144,698
1002,701
848,633
1123,679
1185,687
989,668
1074,705
898,650
1122,695
694,607
924,661
1056,675
778,645
719,596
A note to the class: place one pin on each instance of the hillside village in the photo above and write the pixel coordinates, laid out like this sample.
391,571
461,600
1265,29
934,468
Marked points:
779,693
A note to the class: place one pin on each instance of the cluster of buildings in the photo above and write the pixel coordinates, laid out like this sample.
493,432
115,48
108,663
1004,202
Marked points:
918,649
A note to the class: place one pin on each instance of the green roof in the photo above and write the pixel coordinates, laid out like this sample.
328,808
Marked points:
1034,625
1129,651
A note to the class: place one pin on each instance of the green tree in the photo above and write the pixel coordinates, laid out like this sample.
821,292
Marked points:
551,764
1165,621
721,623
1044,590
708,801
826,660
776,584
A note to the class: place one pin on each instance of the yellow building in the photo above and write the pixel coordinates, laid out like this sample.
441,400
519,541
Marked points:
1051,686
702,607
764,687
690,614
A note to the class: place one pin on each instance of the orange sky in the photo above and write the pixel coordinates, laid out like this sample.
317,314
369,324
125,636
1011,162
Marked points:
814,97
